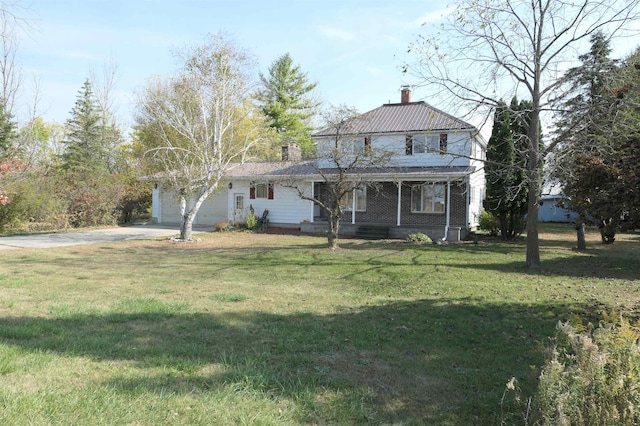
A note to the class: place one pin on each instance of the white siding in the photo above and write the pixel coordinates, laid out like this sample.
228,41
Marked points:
286,207
212,210
155,203
459,146
477,184
170,210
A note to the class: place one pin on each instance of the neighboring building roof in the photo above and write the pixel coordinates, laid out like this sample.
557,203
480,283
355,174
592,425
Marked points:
401,118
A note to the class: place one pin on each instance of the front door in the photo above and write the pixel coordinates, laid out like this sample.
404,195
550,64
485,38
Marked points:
238,208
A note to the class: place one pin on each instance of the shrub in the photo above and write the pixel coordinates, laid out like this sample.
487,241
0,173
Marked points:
222,226
251,221
592,376
134,201
418,238
490,223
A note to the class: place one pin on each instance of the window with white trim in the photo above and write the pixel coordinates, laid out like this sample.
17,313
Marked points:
415,144
428,198
261,190
361,200
353,146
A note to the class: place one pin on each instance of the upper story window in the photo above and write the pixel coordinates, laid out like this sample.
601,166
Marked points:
415,144
261,190
356,146
443,142
419,144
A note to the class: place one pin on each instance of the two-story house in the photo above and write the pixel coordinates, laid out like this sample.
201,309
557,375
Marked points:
433,181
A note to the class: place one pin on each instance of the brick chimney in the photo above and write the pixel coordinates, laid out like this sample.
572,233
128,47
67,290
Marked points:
405,95
291,152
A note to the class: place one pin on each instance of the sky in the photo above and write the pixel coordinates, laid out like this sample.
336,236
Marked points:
353,49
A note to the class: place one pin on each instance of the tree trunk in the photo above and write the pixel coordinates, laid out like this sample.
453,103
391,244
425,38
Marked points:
582,243
334,228
534,177
186,227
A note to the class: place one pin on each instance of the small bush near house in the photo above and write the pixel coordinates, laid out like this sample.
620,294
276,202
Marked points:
251,221
488,222
591,376
418,238
222,226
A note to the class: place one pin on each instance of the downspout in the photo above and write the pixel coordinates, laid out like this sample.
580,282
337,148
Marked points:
468,208
448,220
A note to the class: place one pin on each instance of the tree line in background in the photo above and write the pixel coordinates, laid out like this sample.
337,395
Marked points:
596,160
215,113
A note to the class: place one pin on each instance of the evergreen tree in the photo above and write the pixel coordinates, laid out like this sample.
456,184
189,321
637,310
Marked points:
7,131
84,145
286,103
506,181
592,132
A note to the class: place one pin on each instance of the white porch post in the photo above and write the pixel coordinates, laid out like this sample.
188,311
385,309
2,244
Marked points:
399,208
353,206
313,205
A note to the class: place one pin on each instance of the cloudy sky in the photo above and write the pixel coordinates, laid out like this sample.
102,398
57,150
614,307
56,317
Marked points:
353,48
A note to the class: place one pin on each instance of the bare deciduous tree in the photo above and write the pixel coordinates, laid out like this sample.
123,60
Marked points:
492,49
342,167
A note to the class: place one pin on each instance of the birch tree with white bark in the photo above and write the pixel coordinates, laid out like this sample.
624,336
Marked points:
200,123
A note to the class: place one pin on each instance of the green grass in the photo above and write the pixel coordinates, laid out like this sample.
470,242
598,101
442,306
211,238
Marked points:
270,330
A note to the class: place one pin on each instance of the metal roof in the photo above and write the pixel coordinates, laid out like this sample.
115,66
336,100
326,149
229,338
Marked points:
401,118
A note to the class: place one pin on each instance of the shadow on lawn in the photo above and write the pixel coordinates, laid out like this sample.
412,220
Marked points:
596,262
428,361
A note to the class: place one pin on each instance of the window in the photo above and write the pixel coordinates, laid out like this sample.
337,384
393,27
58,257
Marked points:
443,142
354,146
261,190
415,145
361,200
436,143
239,204
427,198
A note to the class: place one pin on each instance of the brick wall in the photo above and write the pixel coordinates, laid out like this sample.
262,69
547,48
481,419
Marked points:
382,202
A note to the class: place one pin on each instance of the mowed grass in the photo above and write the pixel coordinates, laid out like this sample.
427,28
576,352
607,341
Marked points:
278,330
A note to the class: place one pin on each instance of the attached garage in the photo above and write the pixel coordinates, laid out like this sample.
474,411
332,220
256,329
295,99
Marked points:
167,209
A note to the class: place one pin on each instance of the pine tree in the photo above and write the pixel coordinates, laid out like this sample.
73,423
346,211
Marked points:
7,131
286,103
84,147
499,171
591,134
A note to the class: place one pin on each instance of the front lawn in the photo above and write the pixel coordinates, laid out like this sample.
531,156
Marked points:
269,329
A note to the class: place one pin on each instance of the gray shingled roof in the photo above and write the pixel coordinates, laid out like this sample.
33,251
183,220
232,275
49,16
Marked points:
401,118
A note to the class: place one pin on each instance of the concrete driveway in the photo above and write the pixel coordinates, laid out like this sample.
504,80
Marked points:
138,232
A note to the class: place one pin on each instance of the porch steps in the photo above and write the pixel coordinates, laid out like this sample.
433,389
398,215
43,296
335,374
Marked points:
372,232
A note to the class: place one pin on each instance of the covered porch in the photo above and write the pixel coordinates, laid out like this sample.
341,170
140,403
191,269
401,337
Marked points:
434,204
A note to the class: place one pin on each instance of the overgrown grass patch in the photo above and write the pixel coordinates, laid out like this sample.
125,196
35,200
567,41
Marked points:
245,328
